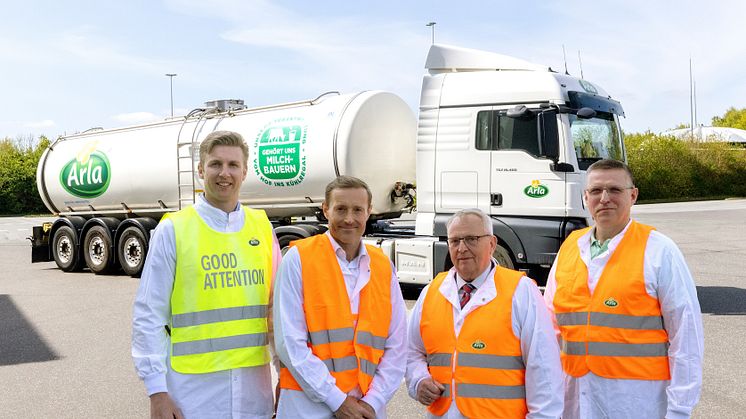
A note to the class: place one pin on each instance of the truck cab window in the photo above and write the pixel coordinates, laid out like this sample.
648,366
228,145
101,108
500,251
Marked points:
495,131
596,138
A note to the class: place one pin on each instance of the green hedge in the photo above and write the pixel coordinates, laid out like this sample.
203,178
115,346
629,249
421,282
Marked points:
18,160
666,168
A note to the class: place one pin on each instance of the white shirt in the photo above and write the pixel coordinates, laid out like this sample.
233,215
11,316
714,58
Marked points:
667,278
238,393
531,324
320,397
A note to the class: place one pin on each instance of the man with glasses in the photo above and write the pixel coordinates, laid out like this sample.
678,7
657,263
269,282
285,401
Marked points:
481,342
626,311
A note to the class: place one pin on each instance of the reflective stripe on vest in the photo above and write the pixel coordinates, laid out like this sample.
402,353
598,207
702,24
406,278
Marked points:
614,349
220,298
350,348
219,315
617,332
489,377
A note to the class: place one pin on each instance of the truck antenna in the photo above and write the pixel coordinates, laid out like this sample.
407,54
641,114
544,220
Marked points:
581,65
564,56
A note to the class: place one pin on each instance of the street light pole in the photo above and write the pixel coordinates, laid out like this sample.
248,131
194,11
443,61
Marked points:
432,27
171,79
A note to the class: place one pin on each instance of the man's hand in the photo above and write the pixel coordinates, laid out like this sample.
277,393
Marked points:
428,390
163,407
353,408
368,407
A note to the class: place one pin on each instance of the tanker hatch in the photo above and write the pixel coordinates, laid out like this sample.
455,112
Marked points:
224,105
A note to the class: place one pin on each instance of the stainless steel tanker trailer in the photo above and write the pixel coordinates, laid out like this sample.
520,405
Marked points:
109,188
497,133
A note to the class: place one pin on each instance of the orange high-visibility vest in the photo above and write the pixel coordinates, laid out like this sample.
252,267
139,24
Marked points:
484,361
618,331
350,352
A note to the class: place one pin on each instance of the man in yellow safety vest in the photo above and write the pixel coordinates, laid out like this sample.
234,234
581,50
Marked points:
201,330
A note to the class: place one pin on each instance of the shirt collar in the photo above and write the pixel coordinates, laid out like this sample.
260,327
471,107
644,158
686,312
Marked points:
593,239
340,252
478,281
206,206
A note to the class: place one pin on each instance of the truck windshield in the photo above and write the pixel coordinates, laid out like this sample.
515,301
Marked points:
596,138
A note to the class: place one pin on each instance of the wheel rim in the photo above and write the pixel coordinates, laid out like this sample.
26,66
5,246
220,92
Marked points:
132,252
64,249
97,250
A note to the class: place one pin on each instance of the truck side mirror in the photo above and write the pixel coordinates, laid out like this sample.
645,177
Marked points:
549,134
586,113
518,112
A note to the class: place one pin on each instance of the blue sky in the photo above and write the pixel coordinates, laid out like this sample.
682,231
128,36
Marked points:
71,65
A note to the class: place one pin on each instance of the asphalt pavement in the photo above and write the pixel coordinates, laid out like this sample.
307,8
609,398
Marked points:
65,337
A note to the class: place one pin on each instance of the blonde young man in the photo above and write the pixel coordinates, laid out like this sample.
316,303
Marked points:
626,311
340,319
200,327
481,343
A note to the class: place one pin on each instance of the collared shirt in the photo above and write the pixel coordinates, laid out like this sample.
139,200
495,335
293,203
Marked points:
238,393
476,282
596,246
320,397
667,278
531,324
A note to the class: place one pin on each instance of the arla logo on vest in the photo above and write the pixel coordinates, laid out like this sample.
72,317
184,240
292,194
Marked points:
254,241
611,302
88,174
536,190
478,345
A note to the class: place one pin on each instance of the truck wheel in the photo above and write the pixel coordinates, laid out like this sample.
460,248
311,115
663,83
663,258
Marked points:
502,256
97,250
132,249
65,249
284,241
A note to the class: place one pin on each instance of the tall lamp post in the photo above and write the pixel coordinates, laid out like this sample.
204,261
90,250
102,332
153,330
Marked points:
432,27
171,79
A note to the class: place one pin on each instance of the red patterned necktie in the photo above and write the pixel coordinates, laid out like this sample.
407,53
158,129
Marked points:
466,296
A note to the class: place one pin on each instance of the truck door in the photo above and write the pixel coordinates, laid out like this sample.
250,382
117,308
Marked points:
462,173
522,184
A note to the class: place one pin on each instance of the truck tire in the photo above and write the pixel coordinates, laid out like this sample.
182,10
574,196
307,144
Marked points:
502,256
284,241
97,250
65,249
131,251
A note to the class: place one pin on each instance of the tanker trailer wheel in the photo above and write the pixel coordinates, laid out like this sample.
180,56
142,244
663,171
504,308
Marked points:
502,256
132,249
97,250
65,249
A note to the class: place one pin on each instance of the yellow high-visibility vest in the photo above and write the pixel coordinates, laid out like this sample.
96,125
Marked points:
219,303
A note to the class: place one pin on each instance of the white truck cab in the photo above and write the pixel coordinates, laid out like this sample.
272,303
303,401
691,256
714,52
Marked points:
513,139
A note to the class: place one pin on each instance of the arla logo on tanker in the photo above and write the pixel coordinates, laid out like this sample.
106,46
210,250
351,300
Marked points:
88,174
536,190
280,158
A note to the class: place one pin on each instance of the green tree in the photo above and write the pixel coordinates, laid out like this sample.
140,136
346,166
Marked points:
18,161
733,118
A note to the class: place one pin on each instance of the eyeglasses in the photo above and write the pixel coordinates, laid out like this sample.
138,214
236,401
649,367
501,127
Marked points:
611,190
470,241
